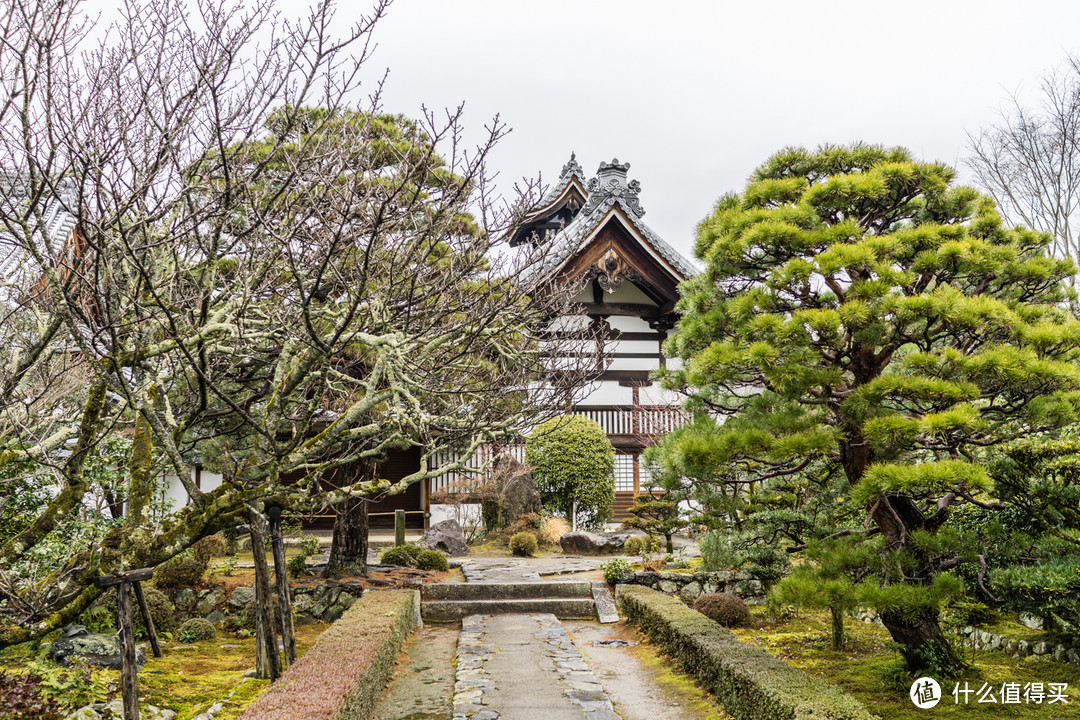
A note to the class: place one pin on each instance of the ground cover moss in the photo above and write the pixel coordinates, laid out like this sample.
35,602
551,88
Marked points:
700,702
870,670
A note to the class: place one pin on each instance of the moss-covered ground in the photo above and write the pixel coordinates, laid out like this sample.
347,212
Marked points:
193,676
871,671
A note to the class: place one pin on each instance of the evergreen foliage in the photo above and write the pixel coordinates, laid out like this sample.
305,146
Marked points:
523,544
864,320
572,461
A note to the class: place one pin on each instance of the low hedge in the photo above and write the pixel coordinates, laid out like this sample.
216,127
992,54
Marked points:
750,683
342,674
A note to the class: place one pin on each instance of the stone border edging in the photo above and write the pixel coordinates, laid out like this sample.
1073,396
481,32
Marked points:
750,683
341,675
690,585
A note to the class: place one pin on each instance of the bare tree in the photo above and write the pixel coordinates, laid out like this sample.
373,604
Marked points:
241,282
1029,160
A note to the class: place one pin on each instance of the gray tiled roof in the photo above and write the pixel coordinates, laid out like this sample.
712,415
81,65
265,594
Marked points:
608,189
51,232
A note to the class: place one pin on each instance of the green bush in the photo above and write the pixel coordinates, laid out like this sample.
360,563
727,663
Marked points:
162,610
749,682
615,569
184,570
634,545
209,547
432,560
297,566
196,630
727,609
309,545
523,544
572,461
400,555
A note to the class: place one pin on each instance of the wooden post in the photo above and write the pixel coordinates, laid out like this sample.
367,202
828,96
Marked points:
129,681
147,620
267,662
277,538
399,527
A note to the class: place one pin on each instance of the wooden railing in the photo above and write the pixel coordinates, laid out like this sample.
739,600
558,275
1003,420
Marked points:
641,420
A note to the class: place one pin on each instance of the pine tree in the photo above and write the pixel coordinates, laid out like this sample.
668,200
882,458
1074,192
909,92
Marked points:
860,310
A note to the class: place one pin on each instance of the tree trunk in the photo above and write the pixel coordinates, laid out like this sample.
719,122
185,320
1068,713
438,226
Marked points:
268,660
348,551
129,684
922,643
837,628
288,636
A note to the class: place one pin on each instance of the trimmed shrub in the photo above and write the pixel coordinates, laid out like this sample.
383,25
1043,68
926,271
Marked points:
634,545
361,647
182,571
749,682
297,566
573,461
196,630
162,610
432,560
209,547
309,545
523,544
400,555
615,569
727,609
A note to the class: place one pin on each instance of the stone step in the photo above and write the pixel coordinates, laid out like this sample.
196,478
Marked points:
562,608
506,591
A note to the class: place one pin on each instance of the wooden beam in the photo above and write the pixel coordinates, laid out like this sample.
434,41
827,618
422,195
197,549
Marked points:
105,581
129,683
147,620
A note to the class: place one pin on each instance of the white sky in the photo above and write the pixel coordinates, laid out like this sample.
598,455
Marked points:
696,94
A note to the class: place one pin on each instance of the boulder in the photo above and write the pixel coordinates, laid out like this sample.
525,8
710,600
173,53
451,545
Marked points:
100,650
241,596
184,599
518,497
209,600
446,536
580,542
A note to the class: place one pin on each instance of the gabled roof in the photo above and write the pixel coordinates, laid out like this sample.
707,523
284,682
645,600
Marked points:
51,231
609,198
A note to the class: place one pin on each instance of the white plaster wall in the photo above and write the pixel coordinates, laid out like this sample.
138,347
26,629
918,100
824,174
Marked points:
609,392
634,364
626,323
656,395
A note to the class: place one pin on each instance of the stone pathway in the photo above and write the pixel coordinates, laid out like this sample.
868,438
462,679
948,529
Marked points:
508,570
423,683
514,667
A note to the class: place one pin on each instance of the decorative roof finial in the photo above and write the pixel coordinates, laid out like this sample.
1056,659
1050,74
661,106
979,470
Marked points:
610,181
572,168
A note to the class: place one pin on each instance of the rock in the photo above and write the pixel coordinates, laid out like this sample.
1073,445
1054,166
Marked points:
518,496
692,590
302,602
216,616
1072,655
346,600
668,586
1059,653
83,713
1012,647
1031,621
100,650
1041,648
446,536
580,542
209,601
241,596
1023,648
184,599
332,613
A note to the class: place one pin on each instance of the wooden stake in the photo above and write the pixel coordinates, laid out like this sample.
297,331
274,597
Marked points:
147,620
399,527
277,540
129,683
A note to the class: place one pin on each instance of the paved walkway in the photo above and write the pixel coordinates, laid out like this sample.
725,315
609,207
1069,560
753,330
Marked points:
517,667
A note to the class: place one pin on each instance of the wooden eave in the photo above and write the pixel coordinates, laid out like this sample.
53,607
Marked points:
538,219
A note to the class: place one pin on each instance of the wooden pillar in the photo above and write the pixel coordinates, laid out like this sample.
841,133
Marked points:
399,527
129,681
277,541
267,659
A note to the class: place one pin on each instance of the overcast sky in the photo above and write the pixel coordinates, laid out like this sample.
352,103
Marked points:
694,95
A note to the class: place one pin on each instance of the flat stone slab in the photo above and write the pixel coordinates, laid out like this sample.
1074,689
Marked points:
605,603
514,570
506,591
521,667
565,608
